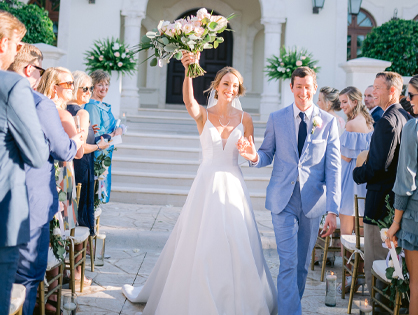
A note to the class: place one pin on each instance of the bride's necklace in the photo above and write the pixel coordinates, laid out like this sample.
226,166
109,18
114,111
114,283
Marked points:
222,123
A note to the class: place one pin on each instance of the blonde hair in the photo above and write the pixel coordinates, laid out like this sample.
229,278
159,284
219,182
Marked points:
331,95
50,79
99,76
79,77
28,55
8,24
220,74
355,95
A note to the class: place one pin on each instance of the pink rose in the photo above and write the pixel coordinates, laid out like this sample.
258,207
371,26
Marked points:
120,64
202,14
199,31
117,54
299,63
187,28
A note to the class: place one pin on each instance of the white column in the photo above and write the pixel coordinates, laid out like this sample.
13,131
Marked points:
64,30
270,98
130,101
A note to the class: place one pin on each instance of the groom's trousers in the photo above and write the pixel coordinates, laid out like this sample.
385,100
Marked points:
295,237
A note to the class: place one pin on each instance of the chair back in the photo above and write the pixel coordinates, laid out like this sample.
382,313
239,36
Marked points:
357,219
78,193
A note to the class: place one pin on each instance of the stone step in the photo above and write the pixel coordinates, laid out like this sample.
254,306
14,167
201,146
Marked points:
177,179
131,163
165,195
158,151
168,139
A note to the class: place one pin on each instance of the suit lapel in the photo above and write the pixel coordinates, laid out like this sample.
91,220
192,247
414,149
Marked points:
290,128
308,141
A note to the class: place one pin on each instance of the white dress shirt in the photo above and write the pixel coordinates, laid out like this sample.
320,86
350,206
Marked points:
372,110
297,119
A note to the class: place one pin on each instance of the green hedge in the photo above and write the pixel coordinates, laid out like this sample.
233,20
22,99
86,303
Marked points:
395,41
38,24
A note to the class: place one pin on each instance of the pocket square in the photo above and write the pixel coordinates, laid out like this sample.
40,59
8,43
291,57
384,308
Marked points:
318,140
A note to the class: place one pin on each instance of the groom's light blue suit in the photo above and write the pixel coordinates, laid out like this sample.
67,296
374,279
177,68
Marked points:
300,191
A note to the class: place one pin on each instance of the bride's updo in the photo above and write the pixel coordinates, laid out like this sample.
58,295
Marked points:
215,83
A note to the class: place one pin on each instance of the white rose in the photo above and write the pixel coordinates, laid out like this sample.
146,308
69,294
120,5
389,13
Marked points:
287,70
162,26
299,63
101,58
303,57
126,50
187,28
111,64
120,64
202,14
117,54
91,57
116,46
178,27
199,31
314,67
317,121
391,264
123,55
383,234
56,231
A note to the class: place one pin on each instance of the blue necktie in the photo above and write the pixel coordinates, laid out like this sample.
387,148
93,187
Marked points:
302,132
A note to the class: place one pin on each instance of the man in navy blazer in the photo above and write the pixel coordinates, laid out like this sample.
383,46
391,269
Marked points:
21,141
374,110
42,191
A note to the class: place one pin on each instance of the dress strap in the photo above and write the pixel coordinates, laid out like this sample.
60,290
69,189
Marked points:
242,116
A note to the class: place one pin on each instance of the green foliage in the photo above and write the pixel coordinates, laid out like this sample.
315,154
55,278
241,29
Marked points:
57,243
101,164
395,41
38,25
111,54
289,60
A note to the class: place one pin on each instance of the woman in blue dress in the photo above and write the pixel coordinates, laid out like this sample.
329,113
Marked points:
355,138
404,229
101,115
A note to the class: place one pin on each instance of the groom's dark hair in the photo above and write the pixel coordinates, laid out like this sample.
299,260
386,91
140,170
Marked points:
302,72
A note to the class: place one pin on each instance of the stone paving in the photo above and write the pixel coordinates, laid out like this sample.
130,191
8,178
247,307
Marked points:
135,236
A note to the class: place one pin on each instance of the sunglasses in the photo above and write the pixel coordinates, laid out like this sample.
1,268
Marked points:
41,70
411,96
67,85
87,88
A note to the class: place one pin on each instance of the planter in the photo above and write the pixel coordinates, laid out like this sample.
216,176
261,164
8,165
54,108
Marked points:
113,96
287,96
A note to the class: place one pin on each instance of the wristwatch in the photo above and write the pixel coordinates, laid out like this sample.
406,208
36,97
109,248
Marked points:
98,148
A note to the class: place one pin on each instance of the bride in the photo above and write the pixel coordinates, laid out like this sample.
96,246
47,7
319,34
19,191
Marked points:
213,261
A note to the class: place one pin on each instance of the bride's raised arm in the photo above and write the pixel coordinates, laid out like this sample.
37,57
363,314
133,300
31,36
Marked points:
196,111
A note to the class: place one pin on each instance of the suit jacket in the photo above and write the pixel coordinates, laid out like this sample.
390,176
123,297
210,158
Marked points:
379,171
377,114
21,141
318,168
40,182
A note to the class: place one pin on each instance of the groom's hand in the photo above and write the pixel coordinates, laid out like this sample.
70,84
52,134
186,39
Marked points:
247,149
330,224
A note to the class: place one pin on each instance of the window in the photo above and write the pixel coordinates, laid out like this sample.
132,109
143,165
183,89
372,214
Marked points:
53,8
358,27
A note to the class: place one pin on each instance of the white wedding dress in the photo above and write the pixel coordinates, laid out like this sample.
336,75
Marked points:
213,261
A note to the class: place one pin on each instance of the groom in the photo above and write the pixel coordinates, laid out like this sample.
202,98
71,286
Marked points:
304,185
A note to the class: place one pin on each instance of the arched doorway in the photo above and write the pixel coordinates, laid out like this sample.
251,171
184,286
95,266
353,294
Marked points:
211,60
358,27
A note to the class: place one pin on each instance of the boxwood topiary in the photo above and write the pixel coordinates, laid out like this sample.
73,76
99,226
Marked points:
38,24
395,41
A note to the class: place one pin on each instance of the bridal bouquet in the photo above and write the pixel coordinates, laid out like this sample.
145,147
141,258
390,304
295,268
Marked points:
192,34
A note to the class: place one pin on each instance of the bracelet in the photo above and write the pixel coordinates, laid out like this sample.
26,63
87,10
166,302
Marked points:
398,223
98,148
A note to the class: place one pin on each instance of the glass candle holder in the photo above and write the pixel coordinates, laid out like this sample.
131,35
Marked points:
100,250
365,307
331,289
69,303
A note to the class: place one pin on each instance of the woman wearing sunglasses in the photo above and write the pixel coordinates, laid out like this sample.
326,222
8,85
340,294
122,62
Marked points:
101,115
84,167
404,229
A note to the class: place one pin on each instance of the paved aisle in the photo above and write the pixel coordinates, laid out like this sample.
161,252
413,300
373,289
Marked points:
135,236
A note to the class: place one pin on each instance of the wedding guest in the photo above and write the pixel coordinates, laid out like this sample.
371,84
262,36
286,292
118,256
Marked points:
407,106
379,171
101,115
21,141
58,84
84,167
356,138
328,100
374,110
404,229
40,183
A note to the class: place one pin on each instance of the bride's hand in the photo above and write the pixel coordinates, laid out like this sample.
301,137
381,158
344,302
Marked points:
189,58
247,149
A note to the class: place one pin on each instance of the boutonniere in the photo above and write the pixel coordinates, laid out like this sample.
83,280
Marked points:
316,123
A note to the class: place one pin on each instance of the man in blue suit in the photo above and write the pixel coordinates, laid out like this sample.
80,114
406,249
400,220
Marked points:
21,142
374,110
305,183
42,191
